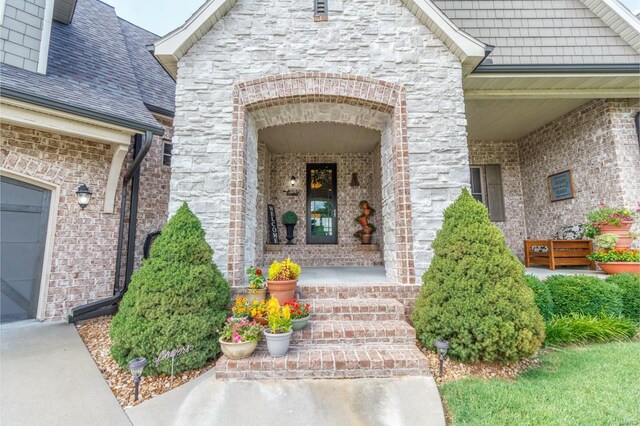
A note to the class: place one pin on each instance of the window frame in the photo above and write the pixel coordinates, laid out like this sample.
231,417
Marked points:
166,142
484,188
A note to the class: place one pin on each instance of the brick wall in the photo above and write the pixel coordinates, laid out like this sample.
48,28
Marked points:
84,248
21,33
505,153
597,141
381,40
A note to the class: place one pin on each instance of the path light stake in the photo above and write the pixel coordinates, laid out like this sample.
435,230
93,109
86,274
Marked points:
443,347
136,366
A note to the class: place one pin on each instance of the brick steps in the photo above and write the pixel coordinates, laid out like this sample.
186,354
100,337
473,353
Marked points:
354,332
328,361
356,309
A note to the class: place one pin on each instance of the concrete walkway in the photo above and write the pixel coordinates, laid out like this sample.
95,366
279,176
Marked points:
405,401
49,378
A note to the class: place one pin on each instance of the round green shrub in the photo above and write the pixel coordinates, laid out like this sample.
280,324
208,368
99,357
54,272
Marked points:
586,295
629,285
177,298
542,295
289,218
474,294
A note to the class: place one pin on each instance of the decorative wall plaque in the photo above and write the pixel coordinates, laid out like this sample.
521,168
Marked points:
561,186
274,238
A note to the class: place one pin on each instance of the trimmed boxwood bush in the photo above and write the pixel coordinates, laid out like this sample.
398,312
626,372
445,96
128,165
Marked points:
542,294
629,285
474,294
177,298
586,295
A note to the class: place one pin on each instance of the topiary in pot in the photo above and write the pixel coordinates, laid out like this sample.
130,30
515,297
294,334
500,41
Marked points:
289,219
178,298
474,294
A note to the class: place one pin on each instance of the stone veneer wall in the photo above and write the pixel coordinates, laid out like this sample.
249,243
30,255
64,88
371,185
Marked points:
597,141
361,38
84,248
505,153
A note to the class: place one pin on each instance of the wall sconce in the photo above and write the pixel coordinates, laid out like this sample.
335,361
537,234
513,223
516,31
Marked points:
84,196
293,192
293,181
354,179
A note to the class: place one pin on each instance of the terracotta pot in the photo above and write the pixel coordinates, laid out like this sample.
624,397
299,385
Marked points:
619,267
612,229
258,295
284,291
363,221
366,212
278,344
260,320
237,350
300,323
366,239
624,242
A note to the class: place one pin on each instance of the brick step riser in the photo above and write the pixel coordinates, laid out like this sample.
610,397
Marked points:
359,316
319,374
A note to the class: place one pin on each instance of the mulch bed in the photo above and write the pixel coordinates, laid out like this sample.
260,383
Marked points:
95,335
454,370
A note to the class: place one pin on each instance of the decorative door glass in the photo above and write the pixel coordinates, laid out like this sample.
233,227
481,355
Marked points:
322,220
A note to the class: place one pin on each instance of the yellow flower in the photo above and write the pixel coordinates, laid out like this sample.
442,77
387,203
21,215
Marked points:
286,312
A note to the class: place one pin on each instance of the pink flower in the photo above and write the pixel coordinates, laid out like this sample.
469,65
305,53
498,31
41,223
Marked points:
236,337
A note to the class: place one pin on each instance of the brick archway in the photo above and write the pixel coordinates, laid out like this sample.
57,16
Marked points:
338,89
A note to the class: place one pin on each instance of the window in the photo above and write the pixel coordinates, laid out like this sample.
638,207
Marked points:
166,157
486,187
320,10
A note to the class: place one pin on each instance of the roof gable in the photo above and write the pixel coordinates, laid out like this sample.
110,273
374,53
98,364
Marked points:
170,48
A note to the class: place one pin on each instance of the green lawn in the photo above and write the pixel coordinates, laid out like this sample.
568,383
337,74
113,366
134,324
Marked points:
592,385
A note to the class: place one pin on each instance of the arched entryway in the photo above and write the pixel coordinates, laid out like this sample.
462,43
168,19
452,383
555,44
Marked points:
320,98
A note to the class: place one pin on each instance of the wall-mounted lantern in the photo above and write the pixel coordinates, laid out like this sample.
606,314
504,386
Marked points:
84,196
293,192
293,181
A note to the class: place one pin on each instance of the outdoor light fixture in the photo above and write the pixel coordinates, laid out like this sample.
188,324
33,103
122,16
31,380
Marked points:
293,181
443,347
84,196
354,179
136,366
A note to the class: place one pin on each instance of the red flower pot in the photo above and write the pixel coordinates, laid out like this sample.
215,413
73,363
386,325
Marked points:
260,320
611,268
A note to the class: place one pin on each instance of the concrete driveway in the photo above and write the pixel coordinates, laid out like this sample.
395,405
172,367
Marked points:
49,378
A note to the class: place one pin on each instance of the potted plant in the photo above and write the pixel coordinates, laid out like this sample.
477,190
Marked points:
239,339
258,311
289,219
240,311
257,285
300,314
617,261
364,234
283,279
278,333
612,220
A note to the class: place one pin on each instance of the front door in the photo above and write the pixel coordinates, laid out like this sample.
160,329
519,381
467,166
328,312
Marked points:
322,207
24,213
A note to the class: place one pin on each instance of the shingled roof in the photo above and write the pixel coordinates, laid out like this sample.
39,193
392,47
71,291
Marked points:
98,65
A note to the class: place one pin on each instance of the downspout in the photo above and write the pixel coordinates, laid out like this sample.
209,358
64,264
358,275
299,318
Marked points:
133,172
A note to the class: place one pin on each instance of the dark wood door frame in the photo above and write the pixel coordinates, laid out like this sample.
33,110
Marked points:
333,239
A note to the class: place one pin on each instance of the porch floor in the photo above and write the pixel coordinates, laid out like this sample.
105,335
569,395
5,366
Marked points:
343,275
542,272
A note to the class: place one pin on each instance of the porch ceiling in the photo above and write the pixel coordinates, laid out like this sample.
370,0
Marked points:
507,119
319,138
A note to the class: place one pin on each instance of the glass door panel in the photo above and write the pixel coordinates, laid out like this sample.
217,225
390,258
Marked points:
322,208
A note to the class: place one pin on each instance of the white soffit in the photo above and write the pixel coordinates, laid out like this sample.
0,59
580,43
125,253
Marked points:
170,48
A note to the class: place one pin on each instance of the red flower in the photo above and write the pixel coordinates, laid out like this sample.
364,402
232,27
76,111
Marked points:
258,271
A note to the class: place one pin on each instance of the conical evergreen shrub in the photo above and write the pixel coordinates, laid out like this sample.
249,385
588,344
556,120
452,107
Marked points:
177,298
474,294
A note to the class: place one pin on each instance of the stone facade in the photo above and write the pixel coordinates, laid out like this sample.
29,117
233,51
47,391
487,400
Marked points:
362,39
598,143
84,247
506,154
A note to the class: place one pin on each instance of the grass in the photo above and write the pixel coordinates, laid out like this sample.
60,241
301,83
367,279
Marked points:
594,385
578,328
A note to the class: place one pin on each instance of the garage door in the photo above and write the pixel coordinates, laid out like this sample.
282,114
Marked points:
24,213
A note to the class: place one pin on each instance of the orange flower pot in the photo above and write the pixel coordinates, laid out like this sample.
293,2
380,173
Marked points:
624,242
284,291
623,229
611,268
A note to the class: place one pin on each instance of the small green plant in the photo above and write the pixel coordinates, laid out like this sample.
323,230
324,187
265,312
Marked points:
584,295
607,215
240,331
542,294
256,279
289,218
606,241
629,285
578,328
474,294
279,317
284,271
615,255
